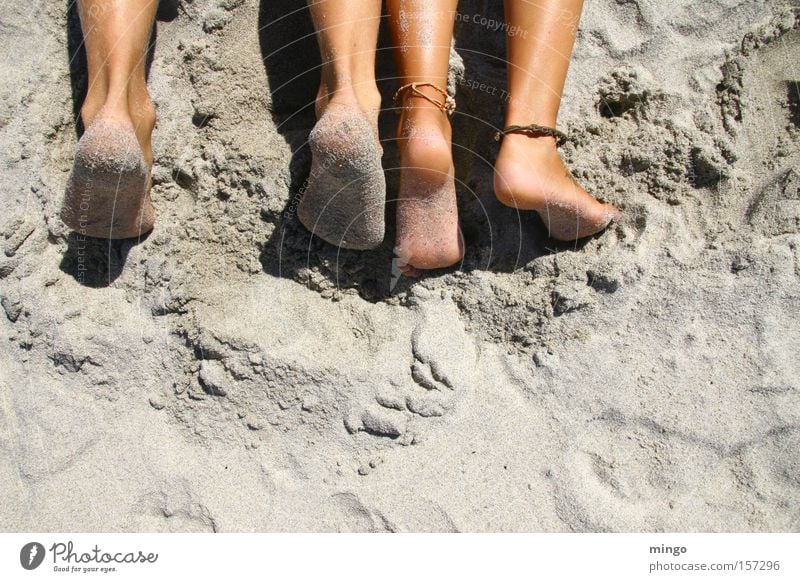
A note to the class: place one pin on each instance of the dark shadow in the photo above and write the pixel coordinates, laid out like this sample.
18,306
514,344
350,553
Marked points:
291,56
168,10
95,262
76,53
793,101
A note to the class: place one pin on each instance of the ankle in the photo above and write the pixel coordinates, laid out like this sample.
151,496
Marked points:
421,109
424,143
94,102
342,94
424,137
425,117
528,171
364,95
522,149
126,107
368,96
134,107
142,112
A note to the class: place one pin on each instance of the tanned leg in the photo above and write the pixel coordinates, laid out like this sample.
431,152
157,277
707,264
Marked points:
428,235
529,173
344,201
108,193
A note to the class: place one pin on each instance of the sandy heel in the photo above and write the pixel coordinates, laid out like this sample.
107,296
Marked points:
346,194
108,191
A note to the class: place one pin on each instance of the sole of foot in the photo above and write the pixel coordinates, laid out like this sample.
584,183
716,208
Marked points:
530,175
345,197
108,191
428,234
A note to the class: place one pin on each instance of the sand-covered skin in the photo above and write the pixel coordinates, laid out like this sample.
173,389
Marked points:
344,199
428,234
233,373
108,190
422,208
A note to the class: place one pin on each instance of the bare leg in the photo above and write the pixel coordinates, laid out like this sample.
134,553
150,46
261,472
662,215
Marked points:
529,173
108,190
428,236
344,202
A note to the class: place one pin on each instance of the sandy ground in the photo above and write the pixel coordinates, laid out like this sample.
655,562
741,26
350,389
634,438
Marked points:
230,373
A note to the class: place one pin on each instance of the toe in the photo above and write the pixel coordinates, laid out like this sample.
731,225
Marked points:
411,272
612,212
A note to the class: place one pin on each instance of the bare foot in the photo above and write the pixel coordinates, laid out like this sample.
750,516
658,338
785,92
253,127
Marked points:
428,235
530,175
108,191
344,200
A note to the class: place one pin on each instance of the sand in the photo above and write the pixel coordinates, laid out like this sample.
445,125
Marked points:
232,373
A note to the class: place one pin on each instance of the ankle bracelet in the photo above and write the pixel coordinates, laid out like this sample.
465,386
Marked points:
447,106
533,130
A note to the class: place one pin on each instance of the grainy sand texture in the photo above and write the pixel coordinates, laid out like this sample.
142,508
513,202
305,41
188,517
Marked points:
232,373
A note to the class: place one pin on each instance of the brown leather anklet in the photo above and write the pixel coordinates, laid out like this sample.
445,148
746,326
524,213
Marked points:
447,106
533,130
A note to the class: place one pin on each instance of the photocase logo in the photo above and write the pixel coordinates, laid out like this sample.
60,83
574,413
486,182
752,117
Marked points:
31,555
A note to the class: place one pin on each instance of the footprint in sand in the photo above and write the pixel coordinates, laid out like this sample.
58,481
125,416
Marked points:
355,517
442,369
762,492
774,463
627,476
776,209
174,508
42,416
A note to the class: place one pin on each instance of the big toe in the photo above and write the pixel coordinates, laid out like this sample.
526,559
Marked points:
569,224
612,212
